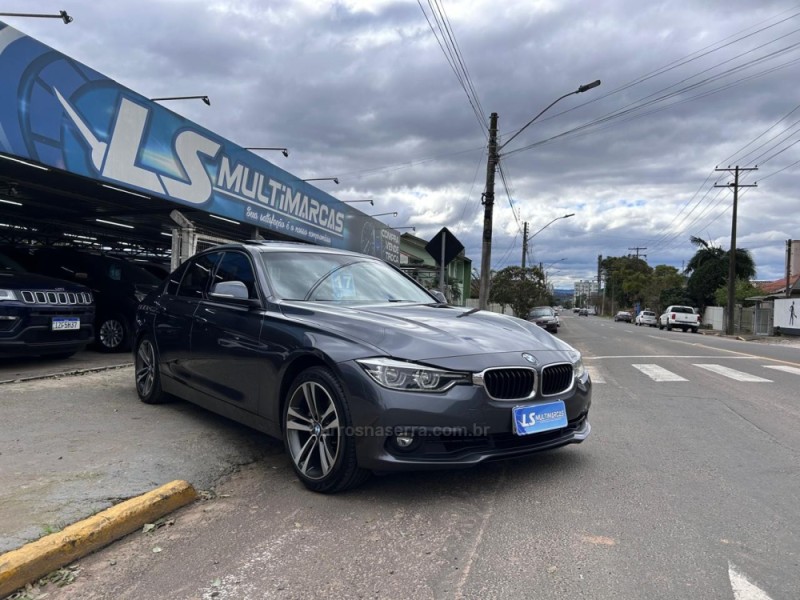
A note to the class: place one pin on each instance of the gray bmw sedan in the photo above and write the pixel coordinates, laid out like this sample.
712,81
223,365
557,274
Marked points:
353,364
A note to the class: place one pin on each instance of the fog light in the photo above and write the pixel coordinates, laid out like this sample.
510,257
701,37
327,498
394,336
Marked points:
404,441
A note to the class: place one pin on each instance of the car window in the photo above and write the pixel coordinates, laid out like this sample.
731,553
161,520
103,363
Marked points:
235,266
198,275
6,264
174,280
542,312
344,278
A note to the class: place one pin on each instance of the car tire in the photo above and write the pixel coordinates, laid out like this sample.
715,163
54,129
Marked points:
316,424
669,327
694,329
112,334
147,373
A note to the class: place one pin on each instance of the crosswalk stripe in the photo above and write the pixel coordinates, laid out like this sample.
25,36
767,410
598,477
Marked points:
595,375
784,368
657,373
733,373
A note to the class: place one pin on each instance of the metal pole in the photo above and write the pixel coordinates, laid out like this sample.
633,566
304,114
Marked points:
732,257
488,208
524,244
442,279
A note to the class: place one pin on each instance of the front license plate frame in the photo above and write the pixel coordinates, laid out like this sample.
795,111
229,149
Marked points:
65,323
538,418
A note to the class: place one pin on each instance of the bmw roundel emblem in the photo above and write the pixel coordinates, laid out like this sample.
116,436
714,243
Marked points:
529,358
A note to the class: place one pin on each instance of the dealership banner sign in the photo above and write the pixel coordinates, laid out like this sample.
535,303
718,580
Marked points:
60,113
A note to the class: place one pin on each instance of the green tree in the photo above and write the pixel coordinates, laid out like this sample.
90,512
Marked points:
522,289
708,270
743,290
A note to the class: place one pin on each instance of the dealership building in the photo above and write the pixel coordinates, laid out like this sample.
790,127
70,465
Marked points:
87,162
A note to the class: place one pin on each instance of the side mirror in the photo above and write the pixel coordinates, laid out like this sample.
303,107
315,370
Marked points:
438,295
232,291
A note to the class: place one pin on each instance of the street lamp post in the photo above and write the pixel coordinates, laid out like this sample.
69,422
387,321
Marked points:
528,238
205,99
393,214
371,202
488,196
333,179
284,151
61,15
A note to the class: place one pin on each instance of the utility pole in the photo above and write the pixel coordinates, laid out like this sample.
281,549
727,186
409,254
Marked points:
788,267
524,243
732,257
599,282
488,209
637,248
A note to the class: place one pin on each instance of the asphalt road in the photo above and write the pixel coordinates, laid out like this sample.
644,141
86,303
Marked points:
688,487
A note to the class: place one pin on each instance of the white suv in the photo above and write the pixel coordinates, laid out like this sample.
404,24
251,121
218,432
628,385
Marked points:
647,317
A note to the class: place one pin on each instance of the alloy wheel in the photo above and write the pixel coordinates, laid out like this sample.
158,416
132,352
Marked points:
145,368
312,430
112,332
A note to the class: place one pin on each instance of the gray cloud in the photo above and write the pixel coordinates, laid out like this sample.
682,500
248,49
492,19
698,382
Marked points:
362,91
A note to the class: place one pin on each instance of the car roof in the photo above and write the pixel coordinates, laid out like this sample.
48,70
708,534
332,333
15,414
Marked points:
283,246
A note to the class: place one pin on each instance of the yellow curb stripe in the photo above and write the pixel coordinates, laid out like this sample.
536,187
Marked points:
37,559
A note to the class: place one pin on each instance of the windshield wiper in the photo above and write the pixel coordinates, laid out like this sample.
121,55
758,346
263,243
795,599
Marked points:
471,311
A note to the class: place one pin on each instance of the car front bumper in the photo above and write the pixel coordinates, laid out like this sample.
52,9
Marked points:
459,428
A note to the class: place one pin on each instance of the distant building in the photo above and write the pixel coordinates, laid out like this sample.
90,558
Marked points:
584,290
416,262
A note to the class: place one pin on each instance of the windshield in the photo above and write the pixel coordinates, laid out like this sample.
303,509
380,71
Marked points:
338,278
6,265
542,312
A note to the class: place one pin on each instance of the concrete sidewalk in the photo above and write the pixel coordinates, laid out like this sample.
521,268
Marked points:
74,445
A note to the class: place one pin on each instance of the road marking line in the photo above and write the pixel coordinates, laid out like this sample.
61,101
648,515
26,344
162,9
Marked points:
784,368
657,373
703,356
743,588
734,374
594,374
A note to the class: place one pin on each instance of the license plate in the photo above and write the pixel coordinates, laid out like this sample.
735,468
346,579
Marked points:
539,418
62,323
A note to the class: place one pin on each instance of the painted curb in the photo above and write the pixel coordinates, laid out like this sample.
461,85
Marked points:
69,373
37,559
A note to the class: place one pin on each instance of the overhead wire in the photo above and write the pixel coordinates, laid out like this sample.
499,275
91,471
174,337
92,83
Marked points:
442,35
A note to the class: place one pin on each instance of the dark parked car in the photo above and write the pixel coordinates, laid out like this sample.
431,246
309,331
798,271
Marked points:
546,317
583,312
118,286
353,364
41,315
623,315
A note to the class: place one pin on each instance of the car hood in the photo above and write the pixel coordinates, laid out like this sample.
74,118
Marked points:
424,332
30,281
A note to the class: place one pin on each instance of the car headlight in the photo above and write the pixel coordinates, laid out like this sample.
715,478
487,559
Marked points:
411,377
140,296
7,295
578,369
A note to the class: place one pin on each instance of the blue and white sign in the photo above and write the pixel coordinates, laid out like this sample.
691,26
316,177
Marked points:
539,417
60,113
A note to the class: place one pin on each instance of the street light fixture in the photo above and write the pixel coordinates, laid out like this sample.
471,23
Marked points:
284,151
61,15
333,179
488,196
526,239
394,214
203,98
371,203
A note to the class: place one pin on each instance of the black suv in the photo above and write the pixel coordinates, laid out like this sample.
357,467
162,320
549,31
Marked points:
118,286
41,315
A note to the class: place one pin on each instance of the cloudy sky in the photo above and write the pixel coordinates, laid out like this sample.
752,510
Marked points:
370,91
